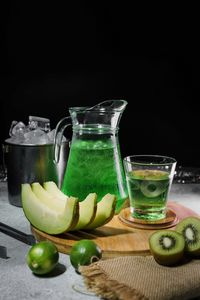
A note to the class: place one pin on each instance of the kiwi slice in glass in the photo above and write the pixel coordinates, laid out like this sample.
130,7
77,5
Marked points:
153,188
190,229
167,247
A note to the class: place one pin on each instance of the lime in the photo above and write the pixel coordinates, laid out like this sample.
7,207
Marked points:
42,257
84,253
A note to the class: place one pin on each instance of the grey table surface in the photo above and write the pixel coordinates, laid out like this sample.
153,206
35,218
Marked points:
16,279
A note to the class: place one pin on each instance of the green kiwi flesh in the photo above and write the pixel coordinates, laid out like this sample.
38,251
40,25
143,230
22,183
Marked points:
167,247
190,229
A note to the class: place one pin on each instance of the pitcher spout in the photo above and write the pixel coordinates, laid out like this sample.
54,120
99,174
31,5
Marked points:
111,105
105,115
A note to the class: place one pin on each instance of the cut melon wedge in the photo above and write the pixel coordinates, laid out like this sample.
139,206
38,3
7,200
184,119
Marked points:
52,189
47,213
46,198
105,211
87,211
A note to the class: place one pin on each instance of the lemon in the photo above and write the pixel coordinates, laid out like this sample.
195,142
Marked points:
42,257
84,253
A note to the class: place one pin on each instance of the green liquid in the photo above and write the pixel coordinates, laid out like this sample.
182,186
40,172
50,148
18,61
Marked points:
148,191
93,168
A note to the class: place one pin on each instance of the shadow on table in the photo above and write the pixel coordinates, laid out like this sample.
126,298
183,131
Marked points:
58,270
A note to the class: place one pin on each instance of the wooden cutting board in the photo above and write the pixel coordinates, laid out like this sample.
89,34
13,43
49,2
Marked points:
115,238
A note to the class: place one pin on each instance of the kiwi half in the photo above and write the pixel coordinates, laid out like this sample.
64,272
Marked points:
190,229
167,247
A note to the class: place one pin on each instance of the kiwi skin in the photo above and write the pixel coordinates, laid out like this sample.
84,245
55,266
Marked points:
164,255
190,229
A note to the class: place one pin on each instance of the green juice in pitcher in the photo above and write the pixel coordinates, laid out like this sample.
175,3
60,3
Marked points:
92,168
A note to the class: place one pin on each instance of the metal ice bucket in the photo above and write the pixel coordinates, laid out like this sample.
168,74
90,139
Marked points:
32,163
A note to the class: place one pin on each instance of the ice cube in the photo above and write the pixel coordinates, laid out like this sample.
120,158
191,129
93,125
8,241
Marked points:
11,127
38,122
17,128
36,137
17,131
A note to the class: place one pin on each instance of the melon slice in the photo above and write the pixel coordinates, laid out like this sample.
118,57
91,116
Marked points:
87,211
46,197
52,189
47,213
105,211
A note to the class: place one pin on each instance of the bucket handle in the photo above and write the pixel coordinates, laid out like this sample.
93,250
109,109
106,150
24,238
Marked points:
61,126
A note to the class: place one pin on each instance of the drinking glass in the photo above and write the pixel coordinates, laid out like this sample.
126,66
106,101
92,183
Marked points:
149,179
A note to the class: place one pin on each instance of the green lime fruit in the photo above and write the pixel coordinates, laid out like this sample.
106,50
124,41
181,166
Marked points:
167,247
84,253
42,257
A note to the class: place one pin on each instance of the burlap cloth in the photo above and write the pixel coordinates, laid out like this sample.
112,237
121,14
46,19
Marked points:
139,277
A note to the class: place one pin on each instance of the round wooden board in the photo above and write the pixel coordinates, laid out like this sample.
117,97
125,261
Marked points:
115,238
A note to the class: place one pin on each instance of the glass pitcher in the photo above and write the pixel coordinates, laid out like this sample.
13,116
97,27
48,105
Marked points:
94,163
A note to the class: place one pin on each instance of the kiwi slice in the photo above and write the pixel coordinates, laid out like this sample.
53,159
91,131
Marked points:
167,247
153,188
190,229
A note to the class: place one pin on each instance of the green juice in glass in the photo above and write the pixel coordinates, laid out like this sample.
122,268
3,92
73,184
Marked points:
92,168
148,191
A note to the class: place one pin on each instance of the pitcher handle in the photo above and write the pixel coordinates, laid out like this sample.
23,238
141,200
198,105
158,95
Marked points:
61,126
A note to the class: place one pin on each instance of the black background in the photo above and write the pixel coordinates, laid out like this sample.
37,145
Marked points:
56,55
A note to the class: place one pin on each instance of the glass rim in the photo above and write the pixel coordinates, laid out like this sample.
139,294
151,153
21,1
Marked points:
169,160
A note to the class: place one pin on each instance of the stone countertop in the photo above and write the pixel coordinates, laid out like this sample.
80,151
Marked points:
18,282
